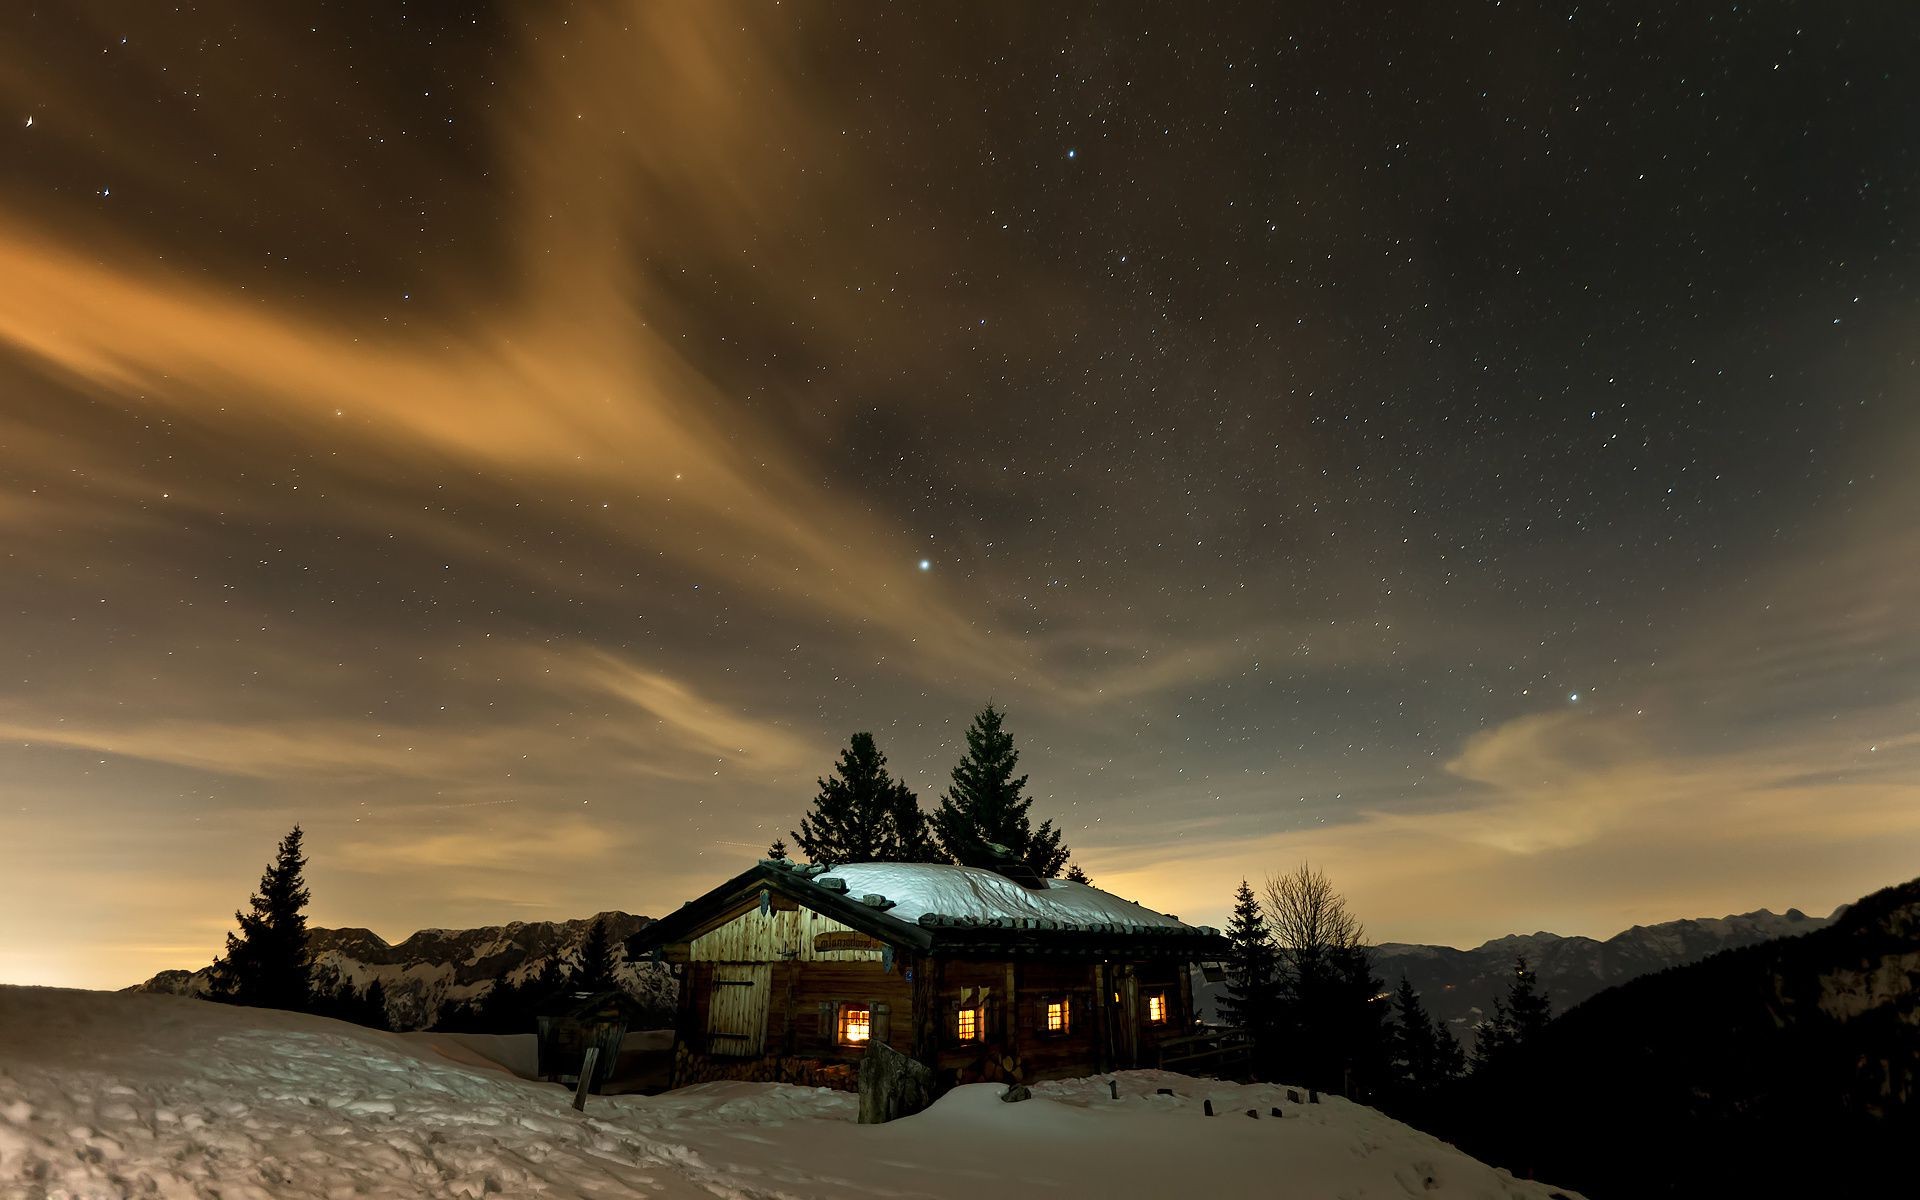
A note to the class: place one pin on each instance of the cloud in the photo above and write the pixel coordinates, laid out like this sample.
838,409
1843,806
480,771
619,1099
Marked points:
533,843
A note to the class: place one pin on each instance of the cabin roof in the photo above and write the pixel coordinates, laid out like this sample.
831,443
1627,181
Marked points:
949,909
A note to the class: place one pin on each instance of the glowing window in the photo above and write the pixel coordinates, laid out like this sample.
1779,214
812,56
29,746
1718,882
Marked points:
1157,1008
856,1024
966,1025
1057,1015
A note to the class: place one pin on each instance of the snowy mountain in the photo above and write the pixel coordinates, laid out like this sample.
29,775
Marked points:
1458,986
105,1094
438,966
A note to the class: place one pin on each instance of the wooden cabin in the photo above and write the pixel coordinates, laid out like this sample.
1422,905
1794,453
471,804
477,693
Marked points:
788,972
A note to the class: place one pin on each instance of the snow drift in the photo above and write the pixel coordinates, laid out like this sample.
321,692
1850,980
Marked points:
117,1095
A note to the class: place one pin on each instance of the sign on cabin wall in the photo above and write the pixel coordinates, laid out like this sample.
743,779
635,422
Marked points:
846,941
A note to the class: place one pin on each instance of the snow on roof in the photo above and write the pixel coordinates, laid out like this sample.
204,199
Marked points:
933,891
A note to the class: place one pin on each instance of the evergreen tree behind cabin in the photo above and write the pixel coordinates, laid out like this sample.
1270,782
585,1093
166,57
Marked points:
863,814
594,970
983,810
778,851
1251,1001
266,963
1077,875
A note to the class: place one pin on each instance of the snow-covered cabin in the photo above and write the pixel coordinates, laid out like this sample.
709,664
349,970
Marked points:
788,972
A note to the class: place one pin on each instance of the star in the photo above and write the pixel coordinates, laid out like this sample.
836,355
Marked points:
926,564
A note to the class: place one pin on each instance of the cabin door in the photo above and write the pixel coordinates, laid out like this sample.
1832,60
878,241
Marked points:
1120,994
737,1014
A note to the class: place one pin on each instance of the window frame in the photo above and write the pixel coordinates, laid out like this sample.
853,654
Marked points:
961,1038
1047,1002
1166,1008
841,1024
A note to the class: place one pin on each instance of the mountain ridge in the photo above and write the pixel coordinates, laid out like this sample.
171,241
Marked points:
432,968
1459,986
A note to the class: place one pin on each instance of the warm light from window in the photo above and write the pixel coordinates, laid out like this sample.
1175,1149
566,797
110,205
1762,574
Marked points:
1056,1016
966,1025
855,1024
1157,1009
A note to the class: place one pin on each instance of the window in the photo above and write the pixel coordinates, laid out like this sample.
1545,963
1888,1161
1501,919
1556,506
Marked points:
1157,1008
856,1024
1057,1015
967,1025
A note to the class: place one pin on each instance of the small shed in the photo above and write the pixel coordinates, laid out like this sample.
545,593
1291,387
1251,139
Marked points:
569,1023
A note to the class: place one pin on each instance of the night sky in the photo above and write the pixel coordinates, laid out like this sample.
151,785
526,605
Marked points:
1468,445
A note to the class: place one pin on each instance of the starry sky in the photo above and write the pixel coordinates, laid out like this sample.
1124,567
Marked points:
1469,445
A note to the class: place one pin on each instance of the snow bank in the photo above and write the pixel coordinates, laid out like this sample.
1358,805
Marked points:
121,1095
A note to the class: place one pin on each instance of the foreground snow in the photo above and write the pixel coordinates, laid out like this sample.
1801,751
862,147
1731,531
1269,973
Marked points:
112,1095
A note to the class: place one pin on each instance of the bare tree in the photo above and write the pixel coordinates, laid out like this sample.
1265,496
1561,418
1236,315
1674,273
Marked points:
1328,991
1310,921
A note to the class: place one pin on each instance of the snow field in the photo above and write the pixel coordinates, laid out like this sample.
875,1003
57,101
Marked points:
126,1095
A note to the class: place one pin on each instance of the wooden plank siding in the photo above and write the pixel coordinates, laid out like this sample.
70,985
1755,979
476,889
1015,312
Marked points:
779,935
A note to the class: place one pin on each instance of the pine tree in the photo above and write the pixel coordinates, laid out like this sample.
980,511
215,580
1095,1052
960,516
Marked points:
983,813
1252,998
1528,1008
266,963
1416,1048
373,1006
778,851
1357,1011
1450,1062
863,814
1492,1037
594,970
1518,1018
1078,875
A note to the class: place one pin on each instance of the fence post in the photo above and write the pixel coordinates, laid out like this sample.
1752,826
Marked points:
586,1078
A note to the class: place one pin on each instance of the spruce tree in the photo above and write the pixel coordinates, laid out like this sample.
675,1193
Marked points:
1518,1018
1528,1008
863,814
983,812
1450,1062
266,963
1357,1012
778,851
593,972
1252,998
1416,1048
1078,875
373,1006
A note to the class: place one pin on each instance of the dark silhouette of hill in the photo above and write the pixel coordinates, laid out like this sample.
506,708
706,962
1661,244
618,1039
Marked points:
1784,1068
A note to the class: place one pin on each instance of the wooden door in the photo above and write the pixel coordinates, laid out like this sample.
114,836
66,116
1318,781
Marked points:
737,1014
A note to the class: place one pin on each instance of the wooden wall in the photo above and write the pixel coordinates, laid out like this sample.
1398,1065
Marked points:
785,933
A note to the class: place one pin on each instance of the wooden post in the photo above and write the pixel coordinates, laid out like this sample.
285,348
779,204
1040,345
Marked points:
586,1078
1013,1017
1102,1020
929,1010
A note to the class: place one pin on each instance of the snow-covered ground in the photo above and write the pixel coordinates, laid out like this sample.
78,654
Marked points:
128,1095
